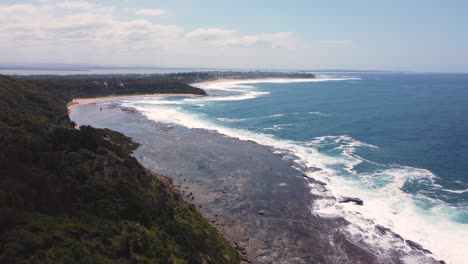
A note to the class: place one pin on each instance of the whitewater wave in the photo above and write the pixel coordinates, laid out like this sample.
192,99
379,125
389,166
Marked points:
151,101
385,203
231,120
454,191
246,92
242,95
228,84
415,216
277,127
318,113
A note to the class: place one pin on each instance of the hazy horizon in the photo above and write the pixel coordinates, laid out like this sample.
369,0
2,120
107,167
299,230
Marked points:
420,36
84,67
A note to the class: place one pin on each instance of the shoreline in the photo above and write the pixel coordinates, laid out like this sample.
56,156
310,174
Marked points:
260,80
84,101
247,209
269,80
92,100
313,185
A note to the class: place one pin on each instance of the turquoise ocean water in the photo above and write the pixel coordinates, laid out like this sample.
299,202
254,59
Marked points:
399,142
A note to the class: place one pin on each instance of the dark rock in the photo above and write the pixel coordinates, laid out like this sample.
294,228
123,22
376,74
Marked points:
382,230
315,169
417,246
321,183
351,199
261,212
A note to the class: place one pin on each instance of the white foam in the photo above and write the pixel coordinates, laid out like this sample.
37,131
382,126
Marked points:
318,113
384,201
154,102
220,84
246,92
277,127
388,206
230,120
455,191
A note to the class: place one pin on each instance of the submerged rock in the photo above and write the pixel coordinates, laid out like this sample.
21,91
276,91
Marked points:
351,199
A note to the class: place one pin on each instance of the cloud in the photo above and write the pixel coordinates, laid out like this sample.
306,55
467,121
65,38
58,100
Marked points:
151,12
342,43
273,40
219,37
78,5
210,33
93,33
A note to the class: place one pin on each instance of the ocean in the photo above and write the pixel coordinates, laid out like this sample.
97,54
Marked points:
399,142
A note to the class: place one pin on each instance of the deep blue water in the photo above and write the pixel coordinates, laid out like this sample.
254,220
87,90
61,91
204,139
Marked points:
397,141
415,120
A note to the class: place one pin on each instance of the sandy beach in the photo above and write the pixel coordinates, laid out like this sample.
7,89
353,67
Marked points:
263,80
85,101
251,194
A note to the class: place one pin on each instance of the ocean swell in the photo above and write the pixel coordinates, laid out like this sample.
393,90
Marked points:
414,216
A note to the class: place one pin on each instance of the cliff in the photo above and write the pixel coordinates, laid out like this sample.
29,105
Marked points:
78,196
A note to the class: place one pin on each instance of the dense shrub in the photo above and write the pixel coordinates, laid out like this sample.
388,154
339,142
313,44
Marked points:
77,196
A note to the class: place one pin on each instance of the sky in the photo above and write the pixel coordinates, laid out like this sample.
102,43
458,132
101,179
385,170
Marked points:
424,36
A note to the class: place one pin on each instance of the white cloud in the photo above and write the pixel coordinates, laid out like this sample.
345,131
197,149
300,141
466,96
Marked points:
210,33
91,33
151,12
336,42
219,37
78,5
273,40
40,25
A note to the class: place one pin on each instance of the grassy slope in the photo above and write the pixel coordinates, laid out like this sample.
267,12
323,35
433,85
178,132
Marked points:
77,196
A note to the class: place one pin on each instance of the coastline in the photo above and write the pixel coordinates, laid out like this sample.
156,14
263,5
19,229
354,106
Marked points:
253,201
84,101
270,80
260,80
92,100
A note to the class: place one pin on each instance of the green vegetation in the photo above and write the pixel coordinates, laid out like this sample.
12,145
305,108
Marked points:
69,87
77,196
79,86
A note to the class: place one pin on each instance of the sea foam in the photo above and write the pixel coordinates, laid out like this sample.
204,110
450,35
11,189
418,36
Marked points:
385,203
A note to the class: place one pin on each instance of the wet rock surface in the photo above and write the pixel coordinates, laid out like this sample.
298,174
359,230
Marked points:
351,200
255,198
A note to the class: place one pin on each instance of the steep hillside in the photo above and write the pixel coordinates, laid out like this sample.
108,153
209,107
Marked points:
77,196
